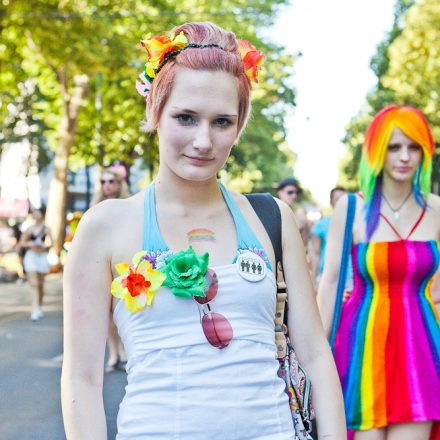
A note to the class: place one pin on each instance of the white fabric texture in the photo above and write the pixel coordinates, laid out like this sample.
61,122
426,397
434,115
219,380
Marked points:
36,262
182,388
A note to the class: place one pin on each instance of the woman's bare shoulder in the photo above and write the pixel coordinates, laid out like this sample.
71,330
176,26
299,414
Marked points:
434,201
239,198
108,214
244,203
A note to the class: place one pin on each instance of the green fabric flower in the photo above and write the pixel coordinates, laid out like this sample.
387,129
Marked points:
186,272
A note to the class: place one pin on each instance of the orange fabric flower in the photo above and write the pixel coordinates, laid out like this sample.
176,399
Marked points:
137,283
158,46
252,58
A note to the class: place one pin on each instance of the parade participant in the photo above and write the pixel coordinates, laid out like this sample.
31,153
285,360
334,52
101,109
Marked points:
288,190
387,345
113,185
37,242
197,304
319,236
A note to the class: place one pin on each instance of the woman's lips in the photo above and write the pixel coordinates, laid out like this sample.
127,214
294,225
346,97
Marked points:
199,160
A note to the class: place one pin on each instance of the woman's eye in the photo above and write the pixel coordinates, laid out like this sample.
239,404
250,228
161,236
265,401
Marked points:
414,147
223,122
185,119
393,147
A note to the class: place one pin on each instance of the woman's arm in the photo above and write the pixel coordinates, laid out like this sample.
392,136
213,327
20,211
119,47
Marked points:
48,241
87,302
315,256
307,334
329,280
434,203
24,241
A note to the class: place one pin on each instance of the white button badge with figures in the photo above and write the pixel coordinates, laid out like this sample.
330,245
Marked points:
251,266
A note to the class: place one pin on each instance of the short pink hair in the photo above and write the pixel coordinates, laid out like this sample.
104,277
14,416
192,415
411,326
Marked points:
225,59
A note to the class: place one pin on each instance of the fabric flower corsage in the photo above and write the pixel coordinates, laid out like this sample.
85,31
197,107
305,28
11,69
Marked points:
157,47
252,59
137,283
185,273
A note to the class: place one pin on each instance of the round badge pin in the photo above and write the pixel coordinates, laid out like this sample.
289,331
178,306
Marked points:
251,266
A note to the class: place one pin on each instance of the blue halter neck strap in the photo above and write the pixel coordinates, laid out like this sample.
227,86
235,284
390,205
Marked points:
154,242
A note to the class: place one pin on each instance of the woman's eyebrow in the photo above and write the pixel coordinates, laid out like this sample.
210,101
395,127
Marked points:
192,112
186,110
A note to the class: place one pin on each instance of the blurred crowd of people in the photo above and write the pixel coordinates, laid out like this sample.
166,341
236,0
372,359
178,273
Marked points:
25,244
313,232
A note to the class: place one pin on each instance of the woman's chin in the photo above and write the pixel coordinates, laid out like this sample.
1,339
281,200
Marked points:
198,175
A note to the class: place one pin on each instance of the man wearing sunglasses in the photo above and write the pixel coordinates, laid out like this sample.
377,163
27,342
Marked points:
288,191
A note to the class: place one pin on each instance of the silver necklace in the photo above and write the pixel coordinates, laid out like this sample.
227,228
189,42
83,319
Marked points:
396,210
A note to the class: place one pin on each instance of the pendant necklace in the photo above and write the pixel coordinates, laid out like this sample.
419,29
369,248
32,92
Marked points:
396,210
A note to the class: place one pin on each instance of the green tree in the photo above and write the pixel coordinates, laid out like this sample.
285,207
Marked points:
414,70
378,98
23,121
85,57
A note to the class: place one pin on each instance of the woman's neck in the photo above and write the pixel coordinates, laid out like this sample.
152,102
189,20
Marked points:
186,195
394,190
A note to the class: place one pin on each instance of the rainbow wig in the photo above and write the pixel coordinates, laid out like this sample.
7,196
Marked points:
415,126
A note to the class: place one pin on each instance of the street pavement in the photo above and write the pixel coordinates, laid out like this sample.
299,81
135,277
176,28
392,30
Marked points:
30,367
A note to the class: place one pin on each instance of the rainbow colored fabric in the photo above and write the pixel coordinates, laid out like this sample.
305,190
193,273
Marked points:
387,348
414,125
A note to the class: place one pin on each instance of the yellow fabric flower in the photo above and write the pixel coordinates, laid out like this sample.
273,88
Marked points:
137,283
158,46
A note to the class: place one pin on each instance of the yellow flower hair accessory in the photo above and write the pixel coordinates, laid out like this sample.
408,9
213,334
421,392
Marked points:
161,48
137,283
158,47
252,58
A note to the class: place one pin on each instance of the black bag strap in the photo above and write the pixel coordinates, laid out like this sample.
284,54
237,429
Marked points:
269,214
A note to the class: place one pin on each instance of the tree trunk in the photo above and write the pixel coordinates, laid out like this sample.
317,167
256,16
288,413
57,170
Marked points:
55,214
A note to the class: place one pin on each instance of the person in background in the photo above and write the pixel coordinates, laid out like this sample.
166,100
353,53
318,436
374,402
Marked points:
20,253
36,240
318,236
288,191
387,343
113,185
7,244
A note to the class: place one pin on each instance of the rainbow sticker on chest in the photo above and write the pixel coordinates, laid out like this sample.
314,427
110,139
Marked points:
200,235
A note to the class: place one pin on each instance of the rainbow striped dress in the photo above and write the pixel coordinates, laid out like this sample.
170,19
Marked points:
387,348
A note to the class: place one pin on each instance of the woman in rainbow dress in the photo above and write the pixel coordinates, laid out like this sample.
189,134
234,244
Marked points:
387,346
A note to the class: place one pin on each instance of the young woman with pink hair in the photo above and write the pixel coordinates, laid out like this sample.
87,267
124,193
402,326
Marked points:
195,307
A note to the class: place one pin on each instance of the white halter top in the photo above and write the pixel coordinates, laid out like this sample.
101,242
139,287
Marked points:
182,388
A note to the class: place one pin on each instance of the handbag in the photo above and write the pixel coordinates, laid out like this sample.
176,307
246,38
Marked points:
348,236
298,386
